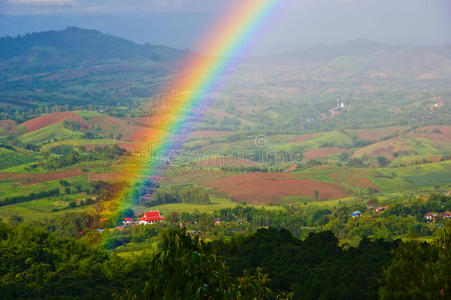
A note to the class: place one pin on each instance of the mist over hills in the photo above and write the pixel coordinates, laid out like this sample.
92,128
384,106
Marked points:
80,67
357,47
76,46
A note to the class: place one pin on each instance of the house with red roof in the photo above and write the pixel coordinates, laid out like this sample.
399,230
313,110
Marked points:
151,217
127,221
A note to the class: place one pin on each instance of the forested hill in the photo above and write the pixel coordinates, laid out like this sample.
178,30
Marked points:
79,67
77,46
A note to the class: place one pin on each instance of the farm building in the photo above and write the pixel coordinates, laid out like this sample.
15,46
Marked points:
446,215
127,221
430,216
151,217
356,214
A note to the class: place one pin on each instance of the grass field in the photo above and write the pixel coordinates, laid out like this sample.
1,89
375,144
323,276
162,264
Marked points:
42,208
87,114
10,158
55,131
12,190
216,204
201,208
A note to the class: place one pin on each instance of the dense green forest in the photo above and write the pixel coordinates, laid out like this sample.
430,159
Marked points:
269,264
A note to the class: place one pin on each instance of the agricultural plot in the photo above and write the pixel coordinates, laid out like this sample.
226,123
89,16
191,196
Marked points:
266,188
50,133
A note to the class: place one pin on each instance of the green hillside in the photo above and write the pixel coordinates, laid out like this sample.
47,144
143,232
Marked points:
55,131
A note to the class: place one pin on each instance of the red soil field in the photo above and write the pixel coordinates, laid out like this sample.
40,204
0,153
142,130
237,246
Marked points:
427,133
316,153
218,162
108,122
59,117
126,127
28,179
209,133
386,148
303,138
435,158
8,125
264,188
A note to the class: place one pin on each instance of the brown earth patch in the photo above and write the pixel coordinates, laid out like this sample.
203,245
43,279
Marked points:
108,122
185,176
53,118
264,188
386,148
435,158
27,179
321,152
376,134
130,129
303,138
427,133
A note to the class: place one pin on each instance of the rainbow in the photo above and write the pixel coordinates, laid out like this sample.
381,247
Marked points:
193,79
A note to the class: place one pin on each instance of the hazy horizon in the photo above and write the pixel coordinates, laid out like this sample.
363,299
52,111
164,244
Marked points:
295,24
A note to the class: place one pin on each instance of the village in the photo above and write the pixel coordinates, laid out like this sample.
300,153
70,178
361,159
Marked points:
428,217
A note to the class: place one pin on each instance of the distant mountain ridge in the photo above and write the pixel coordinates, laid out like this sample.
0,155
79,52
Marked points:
359,47
350,48
76,46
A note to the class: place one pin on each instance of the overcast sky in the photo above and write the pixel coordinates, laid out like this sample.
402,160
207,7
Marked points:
295,24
